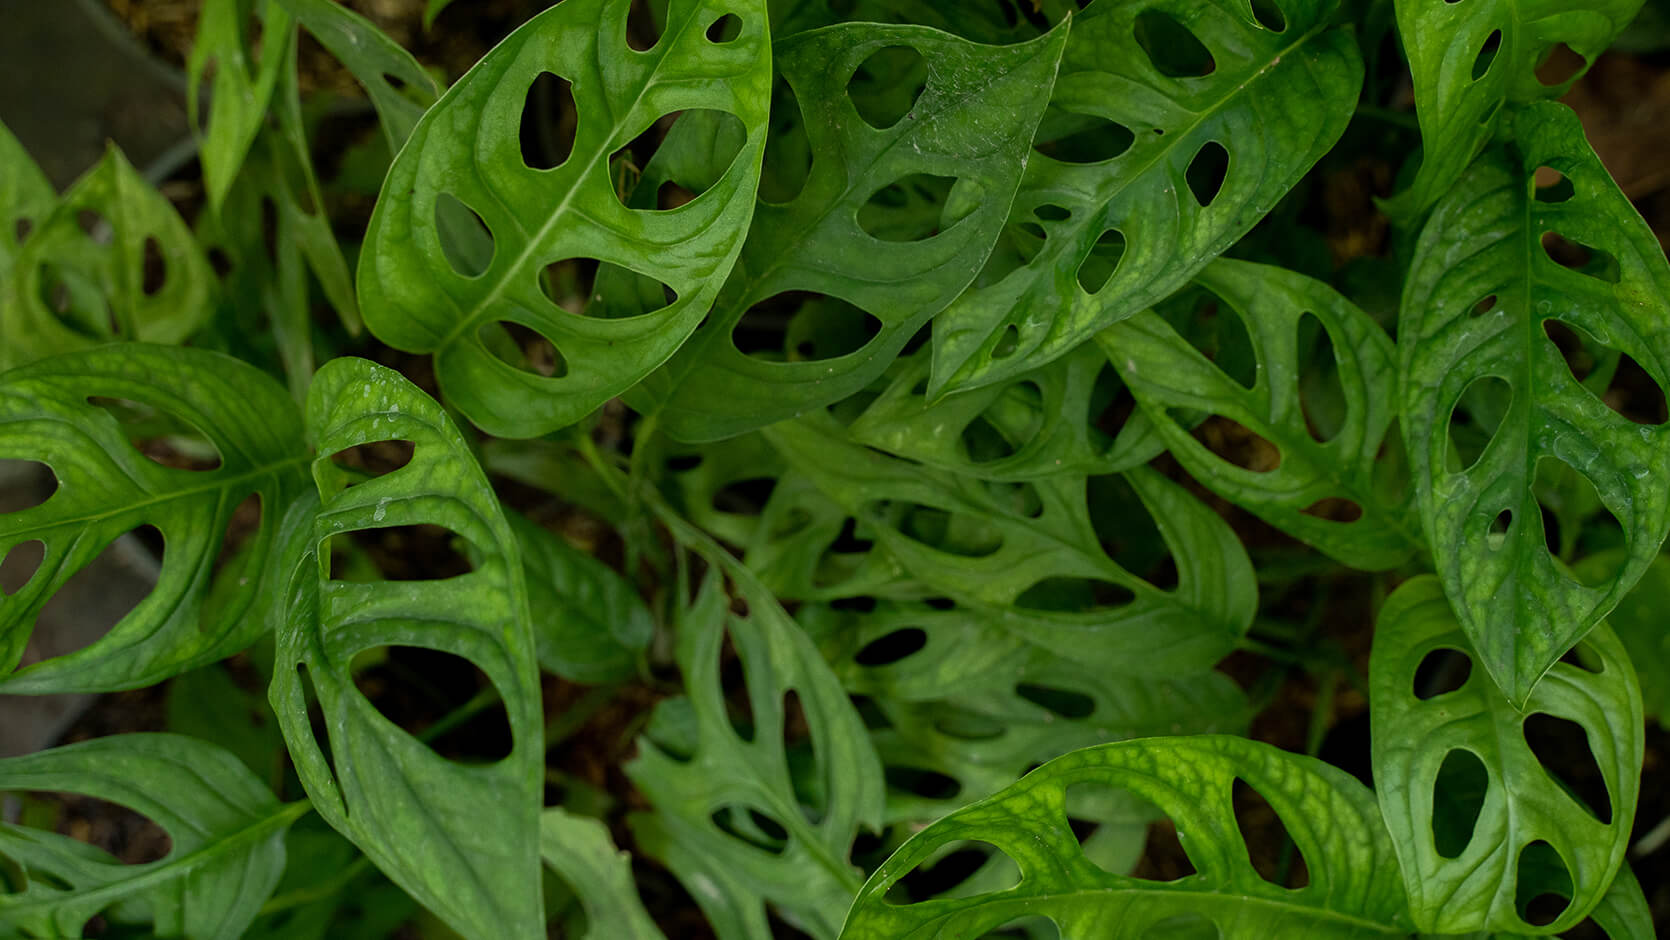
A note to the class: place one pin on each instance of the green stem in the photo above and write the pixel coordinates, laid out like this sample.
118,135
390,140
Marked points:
316,892
478,703
560,728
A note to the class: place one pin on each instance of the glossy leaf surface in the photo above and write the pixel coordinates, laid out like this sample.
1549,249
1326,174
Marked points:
1482,299
580,850
589,623
1459,880
240,87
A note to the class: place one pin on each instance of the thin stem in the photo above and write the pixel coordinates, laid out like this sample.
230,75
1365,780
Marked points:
563,726
316,892
478,703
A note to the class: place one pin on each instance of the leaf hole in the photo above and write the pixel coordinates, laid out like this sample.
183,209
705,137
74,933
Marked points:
908,209
1483,307
753,827
1475,418
958,534
21,229
1562,748
1272,851
718,136
1560,65
1064,703
1441,672
1583,656
1458,795
549,122
893,647
242,524
95,226
1102,261
1269,15
1581,258
847,541
1073,137
1335,509
160,436
603,291
411,552
1163,857
969,726
1174,51
1050,212
955,864
1611,375
918,781
1543,889
1487,54
466,240
27,484
745,497
1237,444
1552,186
724,29
1207,171
1497,535
524,348
643,26
19,565
127,834
788,151
440,698
154,268
92,601
1074,595
373,459
887,84
1007,342
1216,330
800,326
1321,389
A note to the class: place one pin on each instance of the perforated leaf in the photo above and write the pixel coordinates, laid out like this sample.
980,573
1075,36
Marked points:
226,830
1315,463
1353,891
938,177
1639,622
1030,555
25,199
1125,189
467,149
1460,877
376,62
1483,293
461,839
106,487
580,850
241,88
729,819
1470,59
112,261
589,623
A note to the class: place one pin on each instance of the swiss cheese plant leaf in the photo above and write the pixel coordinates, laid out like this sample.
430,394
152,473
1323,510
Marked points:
241,88
106,487
1031,555
1639,622
1354,889
1475,813
26,197
589,623
973,703
1496,279
226,830
376,62
1469,60
461,839
580,850
418,297
728,817
1058,419
1315,463
113,260
897,213
1152,160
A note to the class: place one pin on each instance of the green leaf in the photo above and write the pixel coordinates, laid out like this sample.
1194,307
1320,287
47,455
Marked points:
871,292
1029,555
241,89
1169,376
81,277
376,62
1123,232
710,799
208,704
462,840
580,850
1353,892
1468,60
466,149
26,197
1481,294
1639,622
589,623
227,834
1469,881
106,488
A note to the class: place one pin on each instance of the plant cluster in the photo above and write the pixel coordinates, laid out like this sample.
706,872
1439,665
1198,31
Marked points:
958,384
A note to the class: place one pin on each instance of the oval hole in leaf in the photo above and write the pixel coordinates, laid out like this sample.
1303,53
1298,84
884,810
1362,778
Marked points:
431,694
907,209
21,229
1583,259
969,726
745,497
316,718
1543,890
955,534
1335,509
1063,702
1050,212
954,863
1074,595
1552,186
928,784
1031,927
1475,419
1441,672
643,27
847,541
241,526
78,302
549,121
753,827
1497,535
1630,391
1269,846
1239,445
708,140
420,552
1206,172
1560,65
724,29
893,647
154,268
983,443
1584,657
1217,331
1635,394
132,837
29,483
1487,54
1269,15
1071,137
1321,391
1163,858
788,152
1007,342
95,226
1458,794
1103,260
524,348
19,565
163,438
1484,306
93,600
1174,51
1562,747
772,328
600,290
373,459
466,240
887,84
